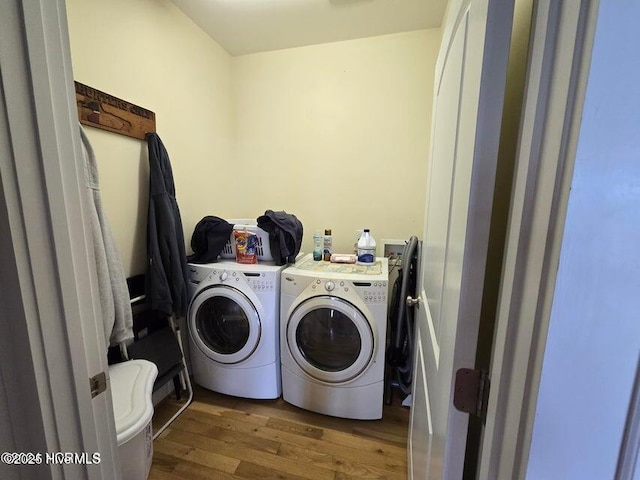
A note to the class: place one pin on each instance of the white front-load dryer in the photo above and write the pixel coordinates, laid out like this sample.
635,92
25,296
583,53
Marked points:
332,335
233,323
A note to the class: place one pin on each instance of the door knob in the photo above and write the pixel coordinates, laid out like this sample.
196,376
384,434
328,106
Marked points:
412,302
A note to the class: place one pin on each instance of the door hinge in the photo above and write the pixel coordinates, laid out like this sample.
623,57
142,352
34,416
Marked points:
98,384
471,392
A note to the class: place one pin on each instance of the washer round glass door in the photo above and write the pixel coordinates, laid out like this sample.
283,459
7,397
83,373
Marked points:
224,324
330,339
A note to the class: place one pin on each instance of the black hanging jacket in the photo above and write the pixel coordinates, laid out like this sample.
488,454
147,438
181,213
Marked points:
166,279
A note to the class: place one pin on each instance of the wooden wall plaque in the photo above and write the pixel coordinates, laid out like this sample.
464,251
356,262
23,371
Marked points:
104,111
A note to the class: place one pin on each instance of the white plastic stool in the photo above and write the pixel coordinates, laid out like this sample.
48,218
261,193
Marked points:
131,389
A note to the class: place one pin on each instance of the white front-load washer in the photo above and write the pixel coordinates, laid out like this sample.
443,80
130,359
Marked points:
233,323
333,326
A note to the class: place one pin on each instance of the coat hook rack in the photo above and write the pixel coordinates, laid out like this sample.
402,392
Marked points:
106,112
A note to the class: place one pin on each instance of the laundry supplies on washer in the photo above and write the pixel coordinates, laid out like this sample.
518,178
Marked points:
327,245
317,246
246,247
366,248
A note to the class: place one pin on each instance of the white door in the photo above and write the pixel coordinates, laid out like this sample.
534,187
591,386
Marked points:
468,99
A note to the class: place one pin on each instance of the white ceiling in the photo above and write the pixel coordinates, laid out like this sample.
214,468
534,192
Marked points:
248,26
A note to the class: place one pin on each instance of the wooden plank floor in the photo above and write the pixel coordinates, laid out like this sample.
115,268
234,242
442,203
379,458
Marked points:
222,437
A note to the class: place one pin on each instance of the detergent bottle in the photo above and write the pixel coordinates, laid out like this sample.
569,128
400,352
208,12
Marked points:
366,249
328,245
317,246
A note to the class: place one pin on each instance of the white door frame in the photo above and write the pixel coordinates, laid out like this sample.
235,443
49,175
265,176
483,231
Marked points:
560,53
51,344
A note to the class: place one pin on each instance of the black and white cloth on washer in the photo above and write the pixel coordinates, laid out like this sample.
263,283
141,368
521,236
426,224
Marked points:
285,235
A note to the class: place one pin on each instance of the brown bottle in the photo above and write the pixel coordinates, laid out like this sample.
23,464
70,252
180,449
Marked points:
327,245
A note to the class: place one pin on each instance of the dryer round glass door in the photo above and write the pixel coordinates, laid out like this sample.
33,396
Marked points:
330,339
224,324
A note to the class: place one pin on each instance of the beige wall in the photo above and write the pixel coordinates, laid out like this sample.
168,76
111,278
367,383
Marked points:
149,53
336,134
344,127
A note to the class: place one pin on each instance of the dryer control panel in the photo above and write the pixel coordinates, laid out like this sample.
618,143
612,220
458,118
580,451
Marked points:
257,281
197,273
372,292
260,282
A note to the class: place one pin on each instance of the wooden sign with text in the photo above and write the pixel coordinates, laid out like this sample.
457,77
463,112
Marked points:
101,110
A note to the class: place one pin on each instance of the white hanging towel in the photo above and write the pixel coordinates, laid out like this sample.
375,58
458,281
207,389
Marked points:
112,283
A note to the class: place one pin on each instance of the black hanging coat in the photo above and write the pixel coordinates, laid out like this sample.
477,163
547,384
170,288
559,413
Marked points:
166,279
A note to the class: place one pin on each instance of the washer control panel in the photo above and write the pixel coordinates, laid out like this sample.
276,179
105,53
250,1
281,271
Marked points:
260,282
371,292
224,276
197,273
